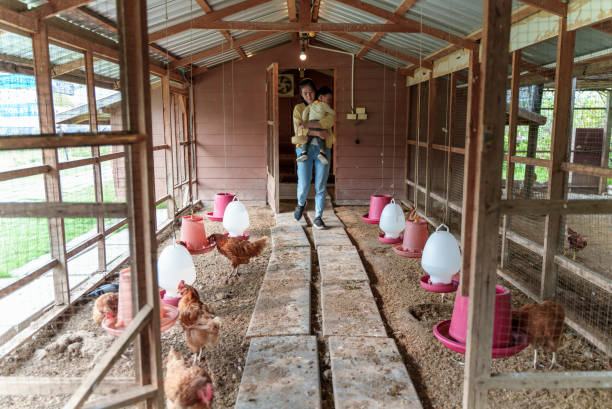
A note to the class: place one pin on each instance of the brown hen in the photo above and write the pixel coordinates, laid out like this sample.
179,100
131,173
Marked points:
106,306
576,242
543,324
186,387
199,321
238,251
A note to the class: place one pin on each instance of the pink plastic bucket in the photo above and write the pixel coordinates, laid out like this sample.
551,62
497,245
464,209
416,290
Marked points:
221,202
415,235
502,324
193,232
377,204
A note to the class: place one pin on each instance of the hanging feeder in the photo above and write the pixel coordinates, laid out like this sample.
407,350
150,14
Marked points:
441,257
506,341
193,235
221,202
236,219
392,222
173,265
377,204
115,327
415,237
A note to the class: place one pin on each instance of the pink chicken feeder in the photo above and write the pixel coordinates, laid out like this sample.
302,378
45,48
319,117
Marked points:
193,235
415,237
506,341
116,325
377,204
221,202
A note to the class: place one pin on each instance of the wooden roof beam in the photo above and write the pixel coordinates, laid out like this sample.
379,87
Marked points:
410,25
54,7
316,5
61,69
551,6
291,10
219,49
18,20
200,22
375,38
305,16
308,27
390,52
204,6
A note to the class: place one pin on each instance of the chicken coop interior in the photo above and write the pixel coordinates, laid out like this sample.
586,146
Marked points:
151,253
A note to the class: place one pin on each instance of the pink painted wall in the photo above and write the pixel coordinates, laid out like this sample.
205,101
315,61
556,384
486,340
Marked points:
231,128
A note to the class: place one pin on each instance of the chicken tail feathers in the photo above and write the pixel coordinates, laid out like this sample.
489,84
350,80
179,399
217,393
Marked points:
257,247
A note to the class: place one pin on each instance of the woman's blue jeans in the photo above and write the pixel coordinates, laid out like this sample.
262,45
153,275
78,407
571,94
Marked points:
304,173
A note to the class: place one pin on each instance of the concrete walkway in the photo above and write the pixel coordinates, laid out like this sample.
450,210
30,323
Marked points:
282,367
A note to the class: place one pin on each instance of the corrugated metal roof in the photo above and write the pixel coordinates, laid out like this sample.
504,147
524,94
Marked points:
384,59
334,12
217,59
339,43
265,43
273,11
412,43
192,41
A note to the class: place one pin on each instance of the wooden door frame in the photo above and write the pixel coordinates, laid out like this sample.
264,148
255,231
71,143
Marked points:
273,102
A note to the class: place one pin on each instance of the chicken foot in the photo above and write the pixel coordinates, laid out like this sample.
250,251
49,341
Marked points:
233,273
196,357
535,358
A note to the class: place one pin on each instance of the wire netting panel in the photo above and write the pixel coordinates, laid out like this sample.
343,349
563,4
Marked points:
78,230
117,244
113,180
524,265
78,184
438,172
459,118
422,166
27,189
413,117
440,125
24,244
411,162
457,169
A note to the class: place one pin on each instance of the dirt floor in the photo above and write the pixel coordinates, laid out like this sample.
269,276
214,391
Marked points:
73,345
409,313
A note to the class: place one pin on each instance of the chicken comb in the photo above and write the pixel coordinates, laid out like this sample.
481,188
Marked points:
181,284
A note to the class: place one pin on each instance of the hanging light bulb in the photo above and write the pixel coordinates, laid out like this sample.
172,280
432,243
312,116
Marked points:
392,220
303,55
441,257
173,265
235,218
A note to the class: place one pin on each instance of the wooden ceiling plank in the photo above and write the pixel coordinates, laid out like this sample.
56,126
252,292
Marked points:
54,7
308,27
305,15
316,4
551,6
200,22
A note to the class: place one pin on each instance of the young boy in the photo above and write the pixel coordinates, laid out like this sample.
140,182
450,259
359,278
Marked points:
313,113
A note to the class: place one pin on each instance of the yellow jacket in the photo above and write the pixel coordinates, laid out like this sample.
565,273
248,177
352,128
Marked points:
301,137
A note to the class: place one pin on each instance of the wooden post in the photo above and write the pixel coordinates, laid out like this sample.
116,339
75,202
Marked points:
431,128
135,85
168,140
532,141
605,157
561,129
53,191
469,175
452,85
406,135
512,127
486,193
95,153
194,145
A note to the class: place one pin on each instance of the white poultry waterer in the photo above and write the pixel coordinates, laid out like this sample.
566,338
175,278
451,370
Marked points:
173,265
392,220
441,256
236,218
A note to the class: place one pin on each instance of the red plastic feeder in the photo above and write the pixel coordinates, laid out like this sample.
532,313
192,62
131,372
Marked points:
244,236
193,233
115,327
506,342
438,287
389,240
221,202
415,237
377,204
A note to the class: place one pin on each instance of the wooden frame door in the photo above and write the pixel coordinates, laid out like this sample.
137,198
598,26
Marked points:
272,142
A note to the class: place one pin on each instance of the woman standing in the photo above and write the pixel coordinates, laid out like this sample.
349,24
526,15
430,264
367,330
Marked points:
304,169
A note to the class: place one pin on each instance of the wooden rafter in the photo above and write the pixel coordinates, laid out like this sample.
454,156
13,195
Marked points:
54,7
410,25
291,10
73,65
204,6
200,22
375,38
373,46
316,5
305,15
552,6
604,26
404,7
219,49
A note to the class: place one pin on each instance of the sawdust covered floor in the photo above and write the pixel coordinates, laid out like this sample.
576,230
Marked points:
73,344
410,313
